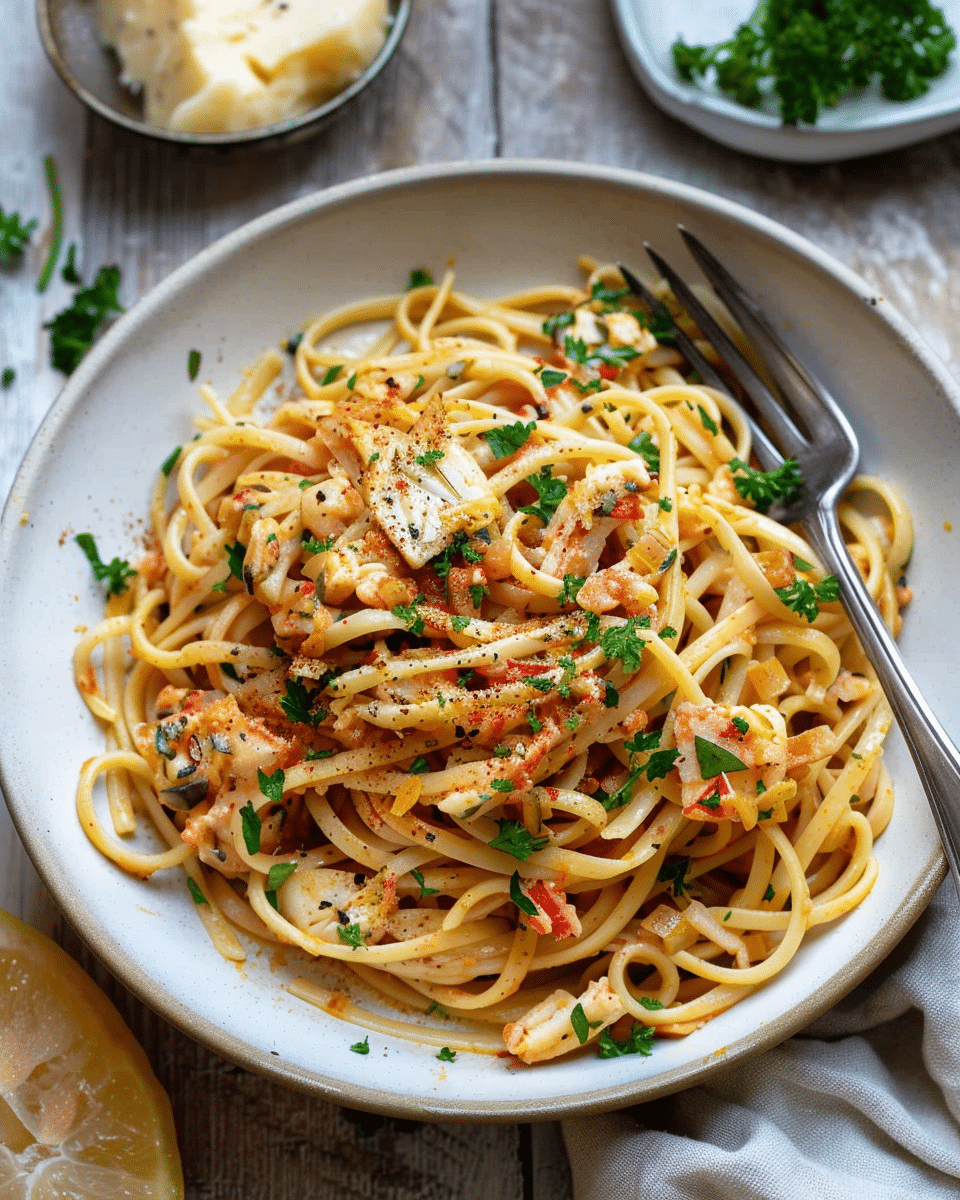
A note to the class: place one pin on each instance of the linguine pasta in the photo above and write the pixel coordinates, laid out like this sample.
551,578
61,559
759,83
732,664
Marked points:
475,663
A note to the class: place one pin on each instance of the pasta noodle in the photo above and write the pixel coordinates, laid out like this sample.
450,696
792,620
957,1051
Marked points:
474,663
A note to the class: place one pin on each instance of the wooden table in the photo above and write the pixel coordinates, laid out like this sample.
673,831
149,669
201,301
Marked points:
473,79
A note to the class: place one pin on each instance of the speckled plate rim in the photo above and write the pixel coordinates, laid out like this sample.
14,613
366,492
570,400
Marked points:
616,1090
294,129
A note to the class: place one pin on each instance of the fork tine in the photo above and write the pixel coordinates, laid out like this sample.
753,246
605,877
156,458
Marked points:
812,404
767,454
786,434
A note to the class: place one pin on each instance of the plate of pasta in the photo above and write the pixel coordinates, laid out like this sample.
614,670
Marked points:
452,729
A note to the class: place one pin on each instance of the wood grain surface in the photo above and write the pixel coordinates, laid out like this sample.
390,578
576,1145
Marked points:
472,79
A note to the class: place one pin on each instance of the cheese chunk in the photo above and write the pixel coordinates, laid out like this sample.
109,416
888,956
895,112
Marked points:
221,66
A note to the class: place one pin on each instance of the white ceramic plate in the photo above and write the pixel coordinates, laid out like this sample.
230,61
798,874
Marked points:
860,124
92,466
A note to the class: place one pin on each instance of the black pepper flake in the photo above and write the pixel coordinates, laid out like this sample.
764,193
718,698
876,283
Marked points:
320,496
459,731
360,879
325,904
430,837
187,770
542,411
343,917
586,408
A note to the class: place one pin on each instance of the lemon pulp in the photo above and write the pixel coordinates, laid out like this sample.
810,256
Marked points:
82,1117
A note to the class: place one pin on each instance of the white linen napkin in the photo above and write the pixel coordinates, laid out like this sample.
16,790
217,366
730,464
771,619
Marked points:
863,1105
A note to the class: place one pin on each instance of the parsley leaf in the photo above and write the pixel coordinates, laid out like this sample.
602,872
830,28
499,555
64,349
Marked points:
446,1054
277,876
624,643
410,616
297,703
640,1041
520,898
581,1026
235,556
550,378
314,545
707,421
514,838
251,826
553,325
550,491
803,597
428,457
70,274
502,785
741,725
714,760
571,587
362,1047
271,785
575,349
424,890
171,460
674,872
459,623
644,445
477,592
785,484
622,795
73,330
419,766
198,896
419,277
15,235
7,377
507,439
193,364
331,374
115,573
351,935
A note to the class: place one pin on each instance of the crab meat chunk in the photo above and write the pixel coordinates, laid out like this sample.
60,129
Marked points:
320,901
546,1029
422,486
732,761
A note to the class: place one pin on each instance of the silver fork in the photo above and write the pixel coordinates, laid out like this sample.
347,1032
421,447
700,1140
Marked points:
807,424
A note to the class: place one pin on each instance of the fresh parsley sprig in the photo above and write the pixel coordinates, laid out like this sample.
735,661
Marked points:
15,235
72,331
115,573
785,484
805,598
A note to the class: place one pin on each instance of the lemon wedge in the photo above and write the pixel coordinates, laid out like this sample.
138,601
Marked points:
82,1116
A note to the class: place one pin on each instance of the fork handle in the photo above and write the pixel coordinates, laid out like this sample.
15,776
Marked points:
936,758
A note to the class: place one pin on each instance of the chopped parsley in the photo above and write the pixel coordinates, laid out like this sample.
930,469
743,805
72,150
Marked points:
70,274
784,485
446,1054
622,795
805,598
331,374
519,897
409,614
298,703
507,439
650,1003
277,876
460,623
576,350
643,743
362,1047
571,588
644,445
72,331
251,825
351,935
171,460
550,492
419,277
534,722
611,697
429,457
292,343
424,890
514,838
624,643
193,364
235,556
550,378
707,421
801,564
314,755
640,1041
553,325
477,592
271,785
352,381
502,785
419,766
582,1026
674,872
7,377
15,235
714,760
769,893
765,815
741,725
317,545
198,896
115,573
